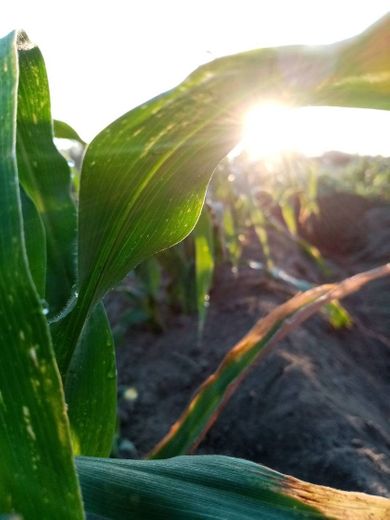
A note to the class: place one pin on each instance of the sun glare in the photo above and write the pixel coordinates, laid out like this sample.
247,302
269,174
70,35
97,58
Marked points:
267,130
271,129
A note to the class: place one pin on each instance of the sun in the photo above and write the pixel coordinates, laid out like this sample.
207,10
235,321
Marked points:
271,129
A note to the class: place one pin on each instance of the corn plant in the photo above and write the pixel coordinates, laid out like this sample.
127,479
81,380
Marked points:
142,188
233,193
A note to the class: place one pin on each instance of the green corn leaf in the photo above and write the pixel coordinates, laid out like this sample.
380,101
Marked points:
259,223
262,235
145,176
37,474
91,388
338,316
149,272
44,174
204,264
215,488
311,196
230,234
64,131
176,262
35,238
151,165
203,409
288,213
311,251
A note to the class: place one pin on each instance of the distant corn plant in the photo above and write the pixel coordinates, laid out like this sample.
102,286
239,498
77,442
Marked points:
142,188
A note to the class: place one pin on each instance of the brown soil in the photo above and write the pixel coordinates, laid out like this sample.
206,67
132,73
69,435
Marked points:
318,406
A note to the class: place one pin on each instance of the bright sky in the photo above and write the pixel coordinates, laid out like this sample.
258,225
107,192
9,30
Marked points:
104,58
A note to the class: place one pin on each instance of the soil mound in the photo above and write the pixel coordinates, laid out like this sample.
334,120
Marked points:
317,407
